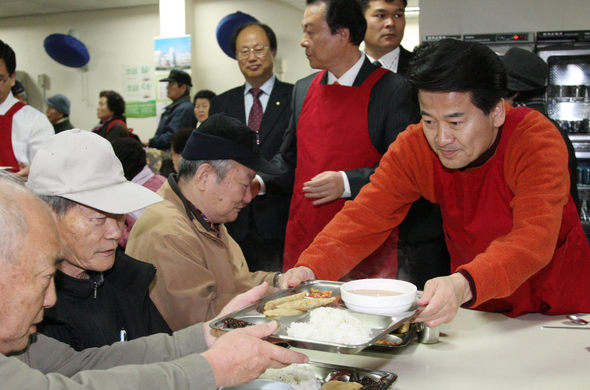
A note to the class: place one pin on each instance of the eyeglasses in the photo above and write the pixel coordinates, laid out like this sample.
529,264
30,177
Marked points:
259,52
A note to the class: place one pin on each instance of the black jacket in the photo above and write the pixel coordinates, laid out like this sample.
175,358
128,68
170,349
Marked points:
62,126
404,61
92,312
268,212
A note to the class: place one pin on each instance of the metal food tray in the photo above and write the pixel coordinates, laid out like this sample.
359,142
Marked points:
325,372
401,340
381,325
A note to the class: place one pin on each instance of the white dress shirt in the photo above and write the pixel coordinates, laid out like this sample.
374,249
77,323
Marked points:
30,128
389,61
347,79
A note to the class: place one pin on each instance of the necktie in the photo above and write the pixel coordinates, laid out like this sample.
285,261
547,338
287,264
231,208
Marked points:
255,116
377,64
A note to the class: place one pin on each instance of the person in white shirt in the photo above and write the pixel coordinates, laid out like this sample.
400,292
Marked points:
386,22
22,127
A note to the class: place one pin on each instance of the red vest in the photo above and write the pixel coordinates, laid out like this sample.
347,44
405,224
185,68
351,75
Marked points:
332,135
7,158
476,210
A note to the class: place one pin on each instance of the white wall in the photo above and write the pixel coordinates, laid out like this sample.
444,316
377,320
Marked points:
484,16
114,38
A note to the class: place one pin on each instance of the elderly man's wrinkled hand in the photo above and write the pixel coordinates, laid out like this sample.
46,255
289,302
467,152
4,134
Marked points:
295,276
442,298
326,187
241,356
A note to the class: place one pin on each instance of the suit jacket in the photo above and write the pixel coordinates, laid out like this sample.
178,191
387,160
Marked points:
404,61
269,212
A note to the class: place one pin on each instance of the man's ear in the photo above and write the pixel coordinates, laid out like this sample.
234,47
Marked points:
343,34
498,113
202,175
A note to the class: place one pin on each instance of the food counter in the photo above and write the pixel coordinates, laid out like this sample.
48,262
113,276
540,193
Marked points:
486,351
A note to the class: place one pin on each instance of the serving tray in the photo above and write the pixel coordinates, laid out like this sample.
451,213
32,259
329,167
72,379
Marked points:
253,314
324,372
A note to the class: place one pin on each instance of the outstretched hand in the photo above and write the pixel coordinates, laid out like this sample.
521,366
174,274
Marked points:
295,276
241,356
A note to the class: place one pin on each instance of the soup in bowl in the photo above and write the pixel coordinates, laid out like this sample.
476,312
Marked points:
378,296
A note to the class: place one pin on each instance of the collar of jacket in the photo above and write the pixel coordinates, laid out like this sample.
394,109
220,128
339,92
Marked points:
182,99
127,274
78,287
191,211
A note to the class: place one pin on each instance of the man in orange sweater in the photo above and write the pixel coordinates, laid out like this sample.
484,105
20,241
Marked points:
500,176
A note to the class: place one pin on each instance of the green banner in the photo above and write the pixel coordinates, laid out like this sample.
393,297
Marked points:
140,109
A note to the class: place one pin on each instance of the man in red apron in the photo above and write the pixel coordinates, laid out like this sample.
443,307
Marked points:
500,175
343,119
22,128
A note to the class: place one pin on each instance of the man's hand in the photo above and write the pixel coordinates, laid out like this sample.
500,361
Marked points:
442,298
240,355
295,276
239,301
326,186
23,170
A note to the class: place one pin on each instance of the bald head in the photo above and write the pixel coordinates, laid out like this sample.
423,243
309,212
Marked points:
18,208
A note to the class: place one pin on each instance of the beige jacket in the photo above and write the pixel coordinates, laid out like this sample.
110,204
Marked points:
199,271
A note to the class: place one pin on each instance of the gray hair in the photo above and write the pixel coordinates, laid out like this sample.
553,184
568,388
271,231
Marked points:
188,168
58,204
13,224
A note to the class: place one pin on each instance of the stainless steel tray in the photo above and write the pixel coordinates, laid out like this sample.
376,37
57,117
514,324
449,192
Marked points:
396,340
381,325
371,379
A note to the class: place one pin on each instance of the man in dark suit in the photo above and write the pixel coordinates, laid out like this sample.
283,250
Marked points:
386,22
264,104
422,252
343,120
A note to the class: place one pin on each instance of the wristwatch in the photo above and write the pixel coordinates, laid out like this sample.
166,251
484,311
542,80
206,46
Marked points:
275,280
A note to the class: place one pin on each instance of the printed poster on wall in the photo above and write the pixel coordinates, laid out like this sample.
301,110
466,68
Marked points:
170,53
139,91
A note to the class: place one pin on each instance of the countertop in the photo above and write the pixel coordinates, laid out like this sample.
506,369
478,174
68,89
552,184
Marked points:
479,350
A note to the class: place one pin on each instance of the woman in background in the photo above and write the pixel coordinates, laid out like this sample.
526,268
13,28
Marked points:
111,113
202,102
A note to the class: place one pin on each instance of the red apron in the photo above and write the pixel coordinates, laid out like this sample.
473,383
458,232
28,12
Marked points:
332,135
7,158
476,210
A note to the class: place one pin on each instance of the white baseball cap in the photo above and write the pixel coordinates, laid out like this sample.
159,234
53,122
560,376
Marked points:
81,166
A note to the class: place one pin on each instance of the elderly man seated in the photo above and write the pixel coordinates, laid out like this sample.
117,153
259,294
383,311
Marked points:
200,267
29,253
103,294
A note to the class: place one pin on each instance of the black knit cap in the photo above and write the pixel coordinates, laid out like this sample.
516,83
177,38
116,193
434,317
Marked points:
222,137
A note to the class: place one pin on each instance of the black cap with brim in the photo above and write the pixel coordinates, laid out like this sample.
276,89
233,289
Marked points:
222,137
179,76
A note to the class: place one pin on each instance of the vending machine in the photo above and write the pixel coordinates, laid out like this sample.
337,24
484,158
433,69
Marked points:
568,98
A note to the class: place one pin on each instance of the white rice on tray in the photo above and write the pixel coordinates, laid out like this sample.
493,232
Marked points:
296,375
331,325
